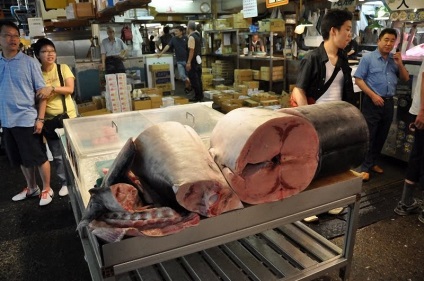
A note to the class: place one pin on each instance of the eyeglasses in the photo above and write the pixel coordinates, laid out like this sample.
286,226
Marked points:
48,52
10,36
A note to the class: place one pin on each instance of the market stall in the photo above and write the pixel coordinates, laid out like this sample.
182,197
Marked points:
273,245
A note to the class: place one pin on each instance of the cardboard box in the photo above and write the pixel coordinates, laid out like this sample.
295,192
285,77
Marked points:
241,75
277,73
159,66
87,106
95,112
256,75
56,4
250,103
83,10
251,84
180,100
238,21
141,104
152,91
156,100
277,25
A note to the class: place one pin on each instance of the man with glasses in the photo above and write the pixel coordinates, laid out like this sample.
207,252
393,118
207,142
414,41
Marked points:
113,51
377,77
22,107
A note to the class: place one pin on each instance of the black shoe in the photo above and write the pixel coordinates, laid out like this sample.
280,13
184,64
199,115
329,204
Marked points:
194,100
404,210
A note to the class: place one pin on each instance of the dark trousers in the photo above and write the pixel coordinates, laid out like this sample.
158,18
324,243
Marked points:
114,65
415,171
379,119
195,76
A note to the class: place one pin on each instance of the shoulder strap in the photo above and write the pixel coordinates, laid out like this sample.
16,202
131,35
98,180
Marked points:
59,72
333,76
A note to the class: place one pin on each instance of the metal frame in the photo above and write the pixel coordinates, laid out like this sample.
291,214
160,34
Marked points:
110,261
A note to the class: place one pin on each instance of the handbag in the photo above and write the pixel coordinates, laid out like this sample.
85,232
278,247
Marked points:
51,125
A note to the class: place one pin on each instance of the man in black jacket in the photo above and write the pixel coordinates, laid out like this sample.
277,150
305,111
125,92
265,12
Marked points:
320,78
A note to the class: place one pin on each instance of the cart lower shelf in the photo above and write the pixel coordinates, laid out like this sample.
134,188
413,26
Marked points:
290,252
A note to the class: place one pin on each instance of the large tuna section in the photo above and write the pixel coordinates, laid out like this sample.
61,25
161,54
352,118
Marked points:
265,155
342,132
175,163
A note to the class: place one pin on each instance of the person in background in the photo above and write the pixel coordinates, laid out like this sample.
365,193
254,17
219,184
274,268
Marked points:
324,73
152,44
377,76
257,45
113,51
164,40
352,49
179,44
22,108
45,52
194,61
415,172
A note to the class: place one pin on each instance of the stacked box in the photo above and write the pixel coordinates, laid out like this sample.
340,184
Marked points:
251,84
223,69
151,91
274,25
256,75
277,73
228,105
112,94
124,94
156,100
238,21
220,98
207,80
241,75
145,103
261,97
180,100
161,77
250,103
222,24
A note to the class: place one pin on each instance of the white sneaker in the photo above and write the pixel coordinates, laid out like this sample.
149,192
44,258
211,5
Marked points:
46,197
336,211
24,194
63,191
311,219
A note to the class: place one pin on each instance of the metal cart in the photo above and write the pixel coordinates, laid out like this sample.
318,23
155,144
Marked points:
259,242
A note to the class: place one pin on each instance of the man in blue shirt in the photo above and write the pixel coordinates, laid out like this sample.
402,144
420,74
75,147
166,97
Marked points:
377,77
22,114
113,51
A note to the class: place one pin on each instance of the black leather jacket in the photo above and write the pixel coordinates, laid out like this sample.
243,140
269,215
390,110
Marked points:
312,74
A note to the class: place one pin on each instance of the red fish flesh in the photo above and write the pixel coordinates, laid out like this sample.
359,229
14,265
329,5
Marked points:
265,155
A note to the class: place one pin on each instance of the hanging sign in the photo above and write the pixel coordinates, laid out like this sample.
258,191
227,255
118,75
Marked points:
343,4
275,3
405,4
250,8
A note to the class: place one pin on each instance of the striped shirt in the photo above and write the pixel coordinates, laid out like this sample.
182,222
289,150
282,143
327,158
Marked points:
20,79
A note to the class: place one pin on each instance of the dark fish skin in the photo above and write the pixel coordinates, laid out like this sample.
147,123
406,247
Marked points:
120,166
101,199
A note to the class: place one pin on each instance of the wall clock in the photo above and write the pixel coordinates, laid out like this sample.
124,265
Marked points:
205,7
